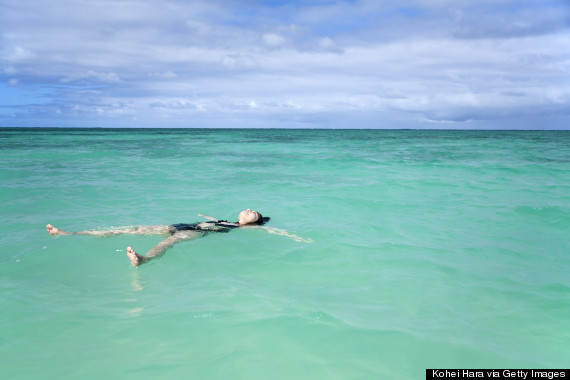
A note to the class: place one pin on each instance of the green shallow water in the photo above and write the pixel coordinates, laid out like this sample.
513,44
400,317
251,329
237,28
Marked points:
431,249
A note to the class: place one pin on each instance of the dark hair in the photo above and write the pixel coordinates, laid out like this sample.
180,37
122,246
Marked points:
262,219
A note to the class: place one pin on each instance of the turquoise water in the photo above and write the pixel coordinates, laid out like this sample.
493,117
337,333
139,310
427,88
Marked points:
430,249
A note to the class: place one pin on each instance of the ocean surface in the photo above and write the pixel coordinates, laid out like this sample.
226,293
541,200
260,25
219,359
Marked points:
414,250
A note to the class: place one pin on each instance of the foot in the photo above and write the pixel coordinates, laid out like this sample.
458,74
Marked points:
56,231
135,258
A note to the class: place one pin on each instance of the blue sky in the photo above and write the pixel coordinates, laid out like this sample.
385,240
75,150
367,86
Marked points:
498,64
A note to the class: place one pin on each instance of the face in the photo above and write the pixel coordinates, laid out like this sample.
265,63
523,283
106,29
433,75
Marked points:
248,216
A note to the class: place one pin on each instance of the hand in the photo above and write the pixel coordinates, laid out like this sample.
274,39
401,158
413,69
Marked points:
208,217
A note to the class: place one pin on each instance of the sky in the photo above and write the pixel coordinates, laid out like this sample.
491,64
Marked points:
438,64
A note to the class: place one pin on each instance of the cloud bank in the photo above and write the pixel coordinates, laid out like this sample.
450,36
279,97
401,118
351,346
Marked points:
317,64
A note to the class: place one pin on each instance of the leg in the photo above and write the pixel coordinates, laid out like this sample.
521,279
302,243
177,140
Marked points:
56,231
137,230
161,247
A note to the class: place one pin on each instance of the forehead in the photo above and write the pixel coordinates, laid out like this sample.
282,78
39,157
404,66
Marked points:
250,214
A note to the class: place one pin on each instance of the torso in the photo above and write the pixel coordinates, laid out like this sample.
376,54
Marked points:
219,226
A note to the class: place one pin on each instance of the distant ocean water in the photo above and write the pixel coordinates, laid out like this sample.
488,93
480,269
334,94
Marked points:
430,249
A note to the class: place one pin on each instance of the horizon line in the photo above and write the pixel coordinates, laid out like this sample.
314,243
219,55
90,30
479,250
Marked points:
295,128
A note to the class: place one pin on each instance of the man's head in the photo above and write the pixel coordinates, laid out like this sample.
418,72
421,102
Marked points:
250,217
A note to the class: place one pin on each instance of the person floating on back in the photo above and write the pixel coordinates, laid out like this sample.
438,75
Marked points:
179,232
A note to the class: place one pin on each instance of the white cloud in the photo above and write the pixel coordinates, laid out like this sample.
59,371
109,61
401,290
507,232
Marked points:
198,26
273,40
239,61
109,77
10,70
326,43
442,60
19,54
163,75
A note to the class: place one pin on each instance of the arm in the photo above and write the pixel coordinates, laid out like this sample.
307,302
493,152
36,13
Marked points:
281,232
208,217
